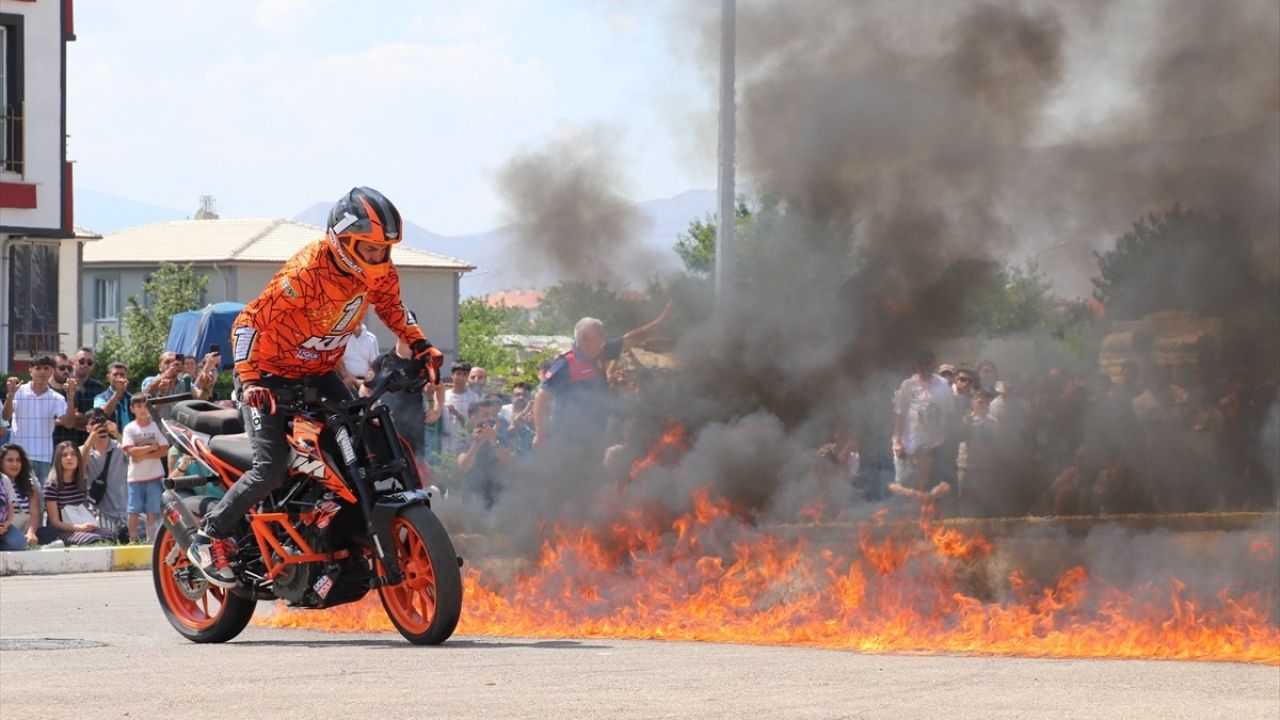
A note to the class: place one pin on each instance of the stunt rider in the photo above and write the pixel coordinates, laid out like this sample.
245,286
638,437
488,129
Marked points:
297,329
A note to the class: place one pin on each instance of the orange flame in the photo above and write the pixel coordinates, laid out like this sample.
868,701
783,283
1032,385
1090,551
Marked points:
898,596
670,446
709,574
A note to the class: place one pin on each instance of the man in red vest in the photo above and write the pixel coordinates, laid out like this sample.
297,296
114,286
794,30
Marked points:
574,402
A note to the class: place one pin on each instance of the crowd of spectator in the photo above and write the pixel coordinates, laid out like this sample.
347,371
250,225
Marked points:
81,460
1161,438
967,440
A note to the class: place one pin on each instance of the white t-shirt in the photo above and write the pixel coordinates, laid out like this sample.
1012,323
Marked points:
33,419
360,353
927,408
136,435
454,431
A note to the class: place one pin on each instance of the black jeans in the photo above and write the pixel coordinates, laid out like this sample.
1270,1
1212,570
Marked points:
271,453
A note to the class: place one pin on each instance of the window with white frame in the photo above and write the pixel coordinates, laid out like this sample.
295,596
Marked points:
106,304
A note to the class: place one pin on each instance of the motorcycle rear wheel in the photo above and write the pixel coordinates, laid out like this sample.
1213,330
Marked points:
199,611
426,605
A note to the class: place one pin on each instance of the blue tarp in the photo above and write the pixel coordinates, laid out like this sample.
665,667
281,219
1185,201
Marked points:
192,332
182,331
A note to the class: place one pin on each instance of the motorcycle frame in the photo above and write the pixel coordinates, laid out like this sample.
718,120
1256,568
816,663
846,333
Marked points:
378,509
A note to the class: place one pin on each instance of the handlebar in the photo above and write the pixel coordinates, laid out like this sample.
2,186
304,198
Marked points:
167,399
396,374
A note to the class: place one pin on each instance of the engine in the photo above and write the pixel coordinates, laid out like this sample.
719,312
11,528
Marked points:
329,582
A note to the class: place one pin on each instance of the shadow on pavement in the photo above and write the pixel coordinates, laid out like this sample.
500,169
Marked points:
400,643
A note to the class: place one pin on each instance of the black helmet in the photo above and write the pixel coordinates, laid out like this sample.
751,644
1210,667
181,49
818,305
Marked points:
363,215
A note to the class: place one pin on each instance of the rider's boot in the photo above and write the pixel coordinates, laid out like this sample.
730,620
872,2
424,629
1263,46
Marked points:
212,556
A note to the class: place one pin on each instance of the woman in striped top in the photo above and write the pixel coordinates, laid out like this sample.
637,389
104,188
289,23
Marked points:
27,506
65,488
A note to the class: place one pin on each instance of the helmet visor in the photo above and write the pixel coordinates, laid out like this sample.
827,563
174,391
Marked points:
368,251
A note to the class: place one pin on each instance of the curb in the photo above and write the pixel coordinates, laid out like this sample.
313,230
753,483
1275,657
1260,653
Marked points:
75,560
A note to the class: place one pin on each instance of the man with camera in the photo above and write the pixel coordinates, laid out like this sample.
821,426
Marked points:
201,377
114,401
169,380
485,457
106,469
515,419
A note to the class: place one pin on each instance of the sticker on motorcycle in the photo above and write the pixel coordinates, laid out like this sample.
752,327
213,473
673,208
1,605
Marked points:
307,466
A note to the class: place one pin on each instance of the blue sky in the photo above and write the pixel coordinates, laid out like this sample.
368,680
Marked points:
273,105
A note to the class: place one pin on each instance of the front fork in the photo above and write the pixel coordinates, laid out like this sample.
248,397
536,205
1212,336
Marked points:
379,512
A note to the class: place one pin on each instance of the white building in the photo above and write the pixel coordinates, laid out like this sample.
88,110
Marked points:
39,248
239,257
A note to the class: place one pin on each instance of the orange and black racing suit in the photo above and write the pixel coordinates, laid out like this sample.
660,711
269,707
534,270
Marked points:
297,330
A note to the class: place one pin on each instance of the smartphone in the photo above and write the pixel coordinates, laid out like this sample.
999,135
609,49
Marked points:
215,349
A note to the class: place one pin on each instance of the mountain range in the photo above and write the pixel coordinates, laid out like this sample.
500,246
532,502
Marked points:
665,219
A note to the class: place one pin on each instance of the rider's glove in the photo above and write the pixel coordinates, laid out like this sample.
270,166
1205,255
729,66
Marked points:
430,360
258,397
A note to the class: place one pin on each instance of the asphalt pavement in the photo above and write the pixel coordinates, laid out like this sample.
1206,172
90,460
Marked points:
97,646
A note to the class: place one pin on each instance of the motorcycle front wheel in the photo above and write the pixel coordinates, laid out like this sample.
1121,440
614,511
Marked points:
199,611
425,606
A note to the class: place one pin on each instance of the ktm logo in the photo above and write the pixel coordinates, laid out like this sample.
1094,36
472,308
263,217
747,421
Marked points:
326,343
307,466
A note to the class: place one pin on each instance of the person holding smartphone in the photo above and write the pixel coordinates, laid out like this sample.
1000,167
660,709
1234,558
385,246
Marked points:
515,419
207,374
104,459
486,455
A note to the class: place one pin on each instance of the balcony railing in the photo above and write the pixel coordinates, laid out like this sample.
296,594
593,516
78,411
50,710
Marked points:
35,344
11,140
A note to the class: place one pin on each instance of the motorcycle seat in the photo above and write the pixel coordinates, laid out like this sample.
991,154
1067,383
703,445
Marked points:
205,417
235,450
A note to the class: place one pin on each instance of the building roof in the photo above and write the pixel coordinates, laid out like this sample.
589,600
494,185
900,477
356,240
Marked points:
269,240
516,298
537,343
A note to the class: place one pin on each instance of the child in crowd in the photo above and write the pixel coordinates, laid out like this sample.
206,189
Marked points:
181,464
145,445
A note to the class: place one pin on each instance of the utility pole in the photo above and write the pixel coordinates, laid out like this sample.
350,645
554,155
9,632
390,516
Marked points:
725,228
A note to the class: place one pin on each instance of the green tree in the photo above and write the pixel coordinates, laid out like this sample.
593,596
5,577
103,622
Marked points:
170,290
480,324
1077,331
567,302
990,298
478,328
697,246
1015,300
1179,259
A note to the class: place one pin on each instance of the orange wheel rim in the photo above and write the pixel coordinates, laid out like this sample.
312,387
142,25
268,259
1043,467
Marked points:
193,608
413,601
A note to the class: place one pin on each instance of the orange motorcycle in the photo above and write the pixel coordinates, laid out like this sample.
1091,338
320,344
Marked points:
354,515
